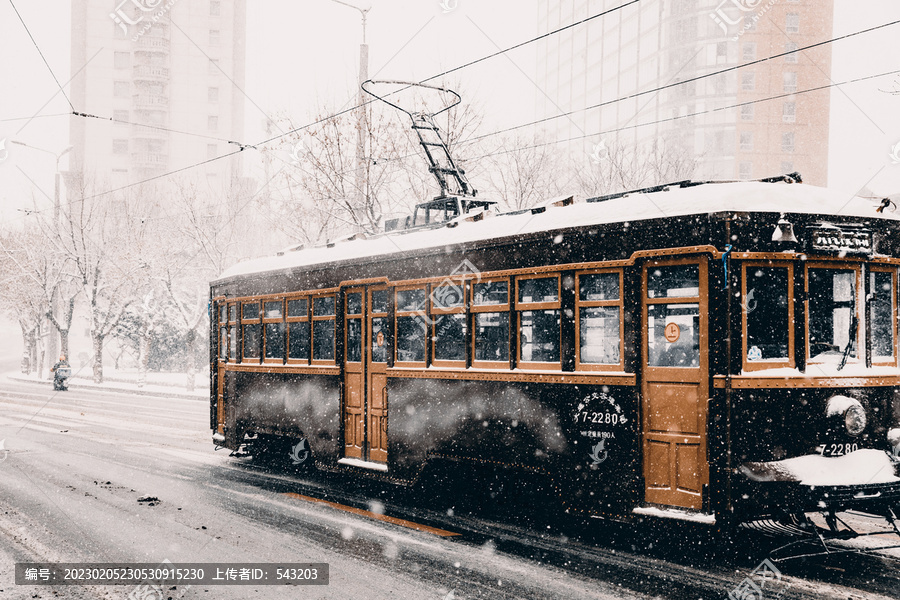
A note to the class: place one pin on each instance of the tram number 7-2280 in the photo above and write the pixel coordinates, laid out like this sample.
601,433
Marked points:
604,418
839,449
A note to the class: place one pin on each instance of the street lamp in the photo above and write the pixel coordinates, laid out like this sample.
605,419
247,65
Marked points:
56,172
53,343
362,115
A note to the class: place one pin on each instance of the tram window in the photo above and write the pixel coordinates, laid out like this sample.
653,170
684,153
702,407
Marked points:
250,311
450,337
410,300
446,297
490,292
599,320
538,313
599,335
275,340
539,335
223,343
410,339
833,318
675,281
274,309
379,337
252,339
411,325
492,336
354,303
298,308
673,335
323,306
598,286
881,284
380,301
298,340
533,290
766,309
273,329
223,331
232,332
323,340
354,338
323,329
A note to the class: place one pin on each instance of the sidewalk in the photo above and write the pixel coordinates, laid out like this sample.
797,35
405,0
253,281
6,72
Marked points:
171,385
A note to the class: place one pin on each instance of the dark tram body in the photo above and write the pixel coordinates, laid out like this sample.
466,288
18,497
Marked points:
718,353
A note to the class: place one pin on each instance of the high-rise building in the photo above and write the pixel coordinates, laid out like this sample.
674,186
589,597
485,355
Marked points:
168,77
722,121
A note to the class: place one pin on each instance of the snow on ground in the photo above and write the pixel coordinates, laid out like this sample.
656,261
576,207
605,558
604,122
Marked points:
127,380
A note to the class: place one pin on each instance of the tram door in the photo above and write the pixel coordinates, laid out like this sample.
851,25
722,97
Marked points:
675,383
365,363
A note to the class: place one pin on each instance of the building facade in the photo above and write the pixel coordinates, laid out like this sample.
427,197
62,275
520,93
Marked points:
166,78
746,123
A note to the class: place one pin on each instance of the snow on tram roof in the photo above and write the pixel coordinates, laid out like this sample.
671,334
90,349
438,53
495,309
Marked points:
701,199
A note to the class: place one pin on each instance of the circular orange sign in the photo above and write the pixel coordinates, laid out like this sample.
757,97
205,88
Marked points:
379,339
673,332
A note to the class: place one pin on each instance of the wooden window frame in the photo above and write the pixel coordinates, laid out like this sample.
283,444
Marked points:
372,314
894,312
312,326
521,307
422,314
436,316
361,316
222,324
244,322
579,304
762,365
234,335
287,332
269,321
856,267
490,308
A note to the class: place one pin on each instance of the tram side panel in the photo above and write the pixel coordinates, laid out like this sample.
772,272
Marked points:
293,406
583,438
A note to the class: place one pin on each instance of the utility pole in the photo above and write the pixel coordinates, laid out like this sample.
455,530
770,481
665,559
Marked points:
53,333
362,115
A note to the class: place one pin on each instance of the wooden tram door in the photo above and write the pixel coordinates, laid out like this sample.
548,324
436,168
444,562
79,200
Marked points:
365,378
676,381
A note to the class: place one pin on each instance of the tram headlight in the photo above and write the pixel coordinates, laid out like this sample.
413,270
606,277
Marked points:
851,410
855,420
893,438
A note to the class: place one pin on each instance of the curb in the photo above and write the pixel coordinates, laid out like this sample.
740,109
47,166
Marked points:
112,387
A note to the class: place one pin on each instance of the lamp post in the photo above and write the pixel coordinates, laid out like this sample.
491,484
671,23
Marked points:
362,114
56,173
53,342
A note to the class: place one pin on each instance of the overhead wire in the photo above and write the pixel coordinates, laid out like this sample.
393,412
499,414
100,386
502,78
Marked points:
38,48
494,54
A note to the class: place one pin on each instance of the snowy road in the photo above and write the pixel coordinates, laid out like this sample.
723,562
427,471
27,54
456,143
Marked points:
75,464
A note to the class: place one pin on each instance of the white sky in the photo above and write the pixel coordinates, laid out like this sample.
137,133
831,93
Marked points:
304,54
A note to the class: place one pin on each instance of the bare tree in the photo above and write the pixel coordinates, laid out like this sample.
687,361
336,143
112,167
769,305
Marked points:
23,289
524,171
103,238
613,167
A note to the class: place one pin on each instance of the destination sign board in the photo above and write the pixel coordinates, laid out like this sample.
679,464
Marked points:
833,239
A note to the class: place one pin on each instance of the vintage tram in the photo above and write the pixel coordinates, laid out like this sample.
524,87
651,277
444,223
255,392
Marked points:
713,352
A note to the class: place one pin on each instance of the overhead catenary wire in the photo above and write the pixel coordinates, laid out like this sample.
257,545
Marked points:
679,117
463,66
689,80
38,48
494,54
